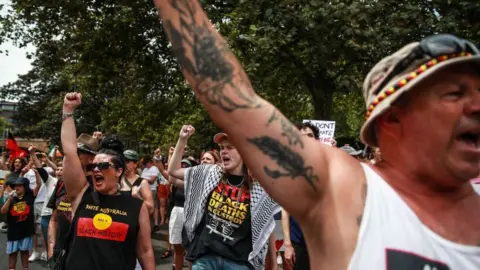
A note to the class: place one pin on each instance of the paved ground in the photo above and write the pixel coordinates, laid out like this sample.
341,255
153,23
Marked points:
158,240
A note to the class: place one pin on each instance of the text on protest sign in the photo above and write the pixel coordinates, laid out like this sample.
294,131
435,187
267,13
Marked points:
326,130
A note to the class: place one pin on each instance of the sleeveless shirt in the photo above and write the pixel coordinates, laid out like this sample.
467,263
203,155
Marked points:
105,234
392,237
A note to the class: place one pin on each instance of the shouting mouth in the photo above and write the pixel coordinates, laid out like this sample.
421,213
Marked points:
226,160
99,179
470,140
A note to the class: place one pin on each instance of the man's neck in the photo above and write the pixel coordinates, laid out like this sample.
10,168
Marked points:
420,187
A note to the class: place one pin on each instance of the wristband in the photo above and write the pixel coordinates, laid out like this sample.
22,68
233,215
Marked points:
67,115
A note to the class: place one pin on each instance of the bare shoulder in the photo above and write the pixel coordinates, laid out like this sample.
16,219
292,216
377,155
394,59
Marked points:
344,194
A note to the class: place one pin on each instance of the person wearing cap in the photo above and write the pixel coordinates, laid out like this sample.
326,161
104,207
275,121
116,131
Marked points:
19,208
62,216
229,217
132,183
416,208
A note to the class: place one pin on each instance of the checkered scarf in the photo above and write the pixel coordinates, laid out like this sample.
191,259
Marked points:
200,182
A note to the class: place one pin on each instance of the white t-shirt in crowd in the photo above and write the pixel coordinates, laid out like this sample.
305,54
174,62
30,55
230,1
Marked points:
49,187
42,192
147,173
30,175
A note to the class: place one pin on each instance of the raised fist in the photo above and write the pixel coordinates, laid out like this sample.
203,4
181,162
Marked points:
32,149
71,102
187,131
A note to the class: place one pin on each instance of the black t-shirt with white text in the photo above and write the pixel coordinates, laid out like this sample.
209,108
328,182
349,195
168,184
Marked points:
58,201
226,226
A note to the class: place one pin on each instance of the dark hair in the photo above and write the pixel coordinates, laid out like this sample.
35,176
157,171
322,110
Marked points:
113,147
24,163
316,132
146,160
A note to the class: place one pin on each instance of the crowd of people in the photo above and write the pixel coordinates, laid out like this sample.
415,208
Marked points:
412,205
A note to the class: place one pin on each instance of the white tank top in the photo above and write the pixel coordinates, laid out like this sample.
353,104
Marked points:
392,237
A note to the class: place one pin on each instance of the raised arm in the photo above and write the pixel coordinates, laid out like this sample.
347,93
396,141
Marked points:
176,182
287,165
38,182
161,168
33,156
50,163
73,174
175,166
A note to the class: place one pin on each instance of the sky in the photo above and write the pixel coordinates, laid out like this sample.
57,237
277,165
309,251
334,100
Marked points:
15,62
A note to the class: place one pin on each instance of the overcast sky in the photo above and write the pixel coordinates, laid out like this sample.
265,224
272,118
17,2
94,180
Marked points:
16,62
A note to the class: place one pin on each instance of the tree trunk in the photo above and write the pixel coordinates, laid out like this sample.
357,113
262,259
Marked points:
322,96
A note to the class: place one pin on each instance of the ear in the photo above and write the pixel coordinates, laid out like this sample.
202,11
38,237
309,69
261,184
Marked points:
118,172
389,123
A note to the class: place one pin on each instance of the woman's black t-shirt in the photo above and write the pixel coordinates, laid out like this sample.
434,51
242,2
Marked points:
105,234
20,217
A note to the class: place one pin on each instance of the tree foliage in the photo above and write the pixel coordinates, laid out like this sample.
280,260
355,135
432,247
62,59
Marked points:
307,57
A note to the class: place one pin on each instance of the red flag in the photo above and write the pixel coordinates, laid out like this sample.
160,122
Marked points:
13,148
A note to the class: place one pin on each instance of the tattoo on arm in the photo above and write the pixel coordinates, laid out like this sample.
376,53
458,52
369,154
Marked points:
291,163
364,200
288,130
205,57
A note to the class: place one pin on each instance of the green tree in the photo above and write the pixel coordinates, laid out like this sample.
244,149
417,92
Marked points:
307,57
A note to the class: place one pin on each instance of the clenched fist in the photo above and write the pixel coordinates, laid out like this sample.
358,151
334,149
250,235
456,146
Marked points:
187,131
71,102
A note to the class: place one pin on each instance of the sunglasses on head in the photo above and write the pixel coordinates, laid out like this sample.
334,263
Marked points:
100,166
432,46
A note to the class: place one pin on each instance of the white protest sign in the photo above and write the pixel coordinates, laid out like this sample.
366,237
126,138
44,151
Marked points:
326,129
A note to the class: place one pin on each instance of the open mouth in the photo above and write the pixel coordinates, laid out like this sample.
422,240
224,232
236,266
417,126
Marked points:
98,179
225,159
470,139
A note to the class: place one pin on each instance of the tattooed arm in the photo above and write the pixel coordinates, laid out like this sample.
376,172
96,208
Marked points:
270,145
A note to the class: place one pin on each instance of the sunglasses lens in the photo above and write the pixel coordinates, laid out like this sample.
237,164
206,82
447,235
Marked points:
103,165
100,166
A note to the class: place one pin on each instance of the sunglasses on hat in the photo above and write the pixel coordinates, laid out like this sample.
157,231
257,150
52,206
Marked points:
100,166
432,46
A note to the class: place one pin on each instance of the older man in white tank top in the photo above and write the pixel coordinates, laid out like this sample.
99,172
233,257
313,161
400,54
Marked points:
416,208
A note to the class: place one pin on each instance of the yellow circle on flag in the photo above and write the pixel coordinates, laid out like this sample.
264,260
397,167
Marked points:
102,221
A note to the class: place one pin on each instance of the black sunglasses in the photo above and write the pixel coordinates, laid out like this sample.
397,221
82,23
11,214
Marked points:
433,46
100,166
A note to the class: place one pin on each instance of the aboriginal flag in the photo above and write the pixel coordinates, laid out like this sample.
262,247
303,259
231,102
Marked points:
13,148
